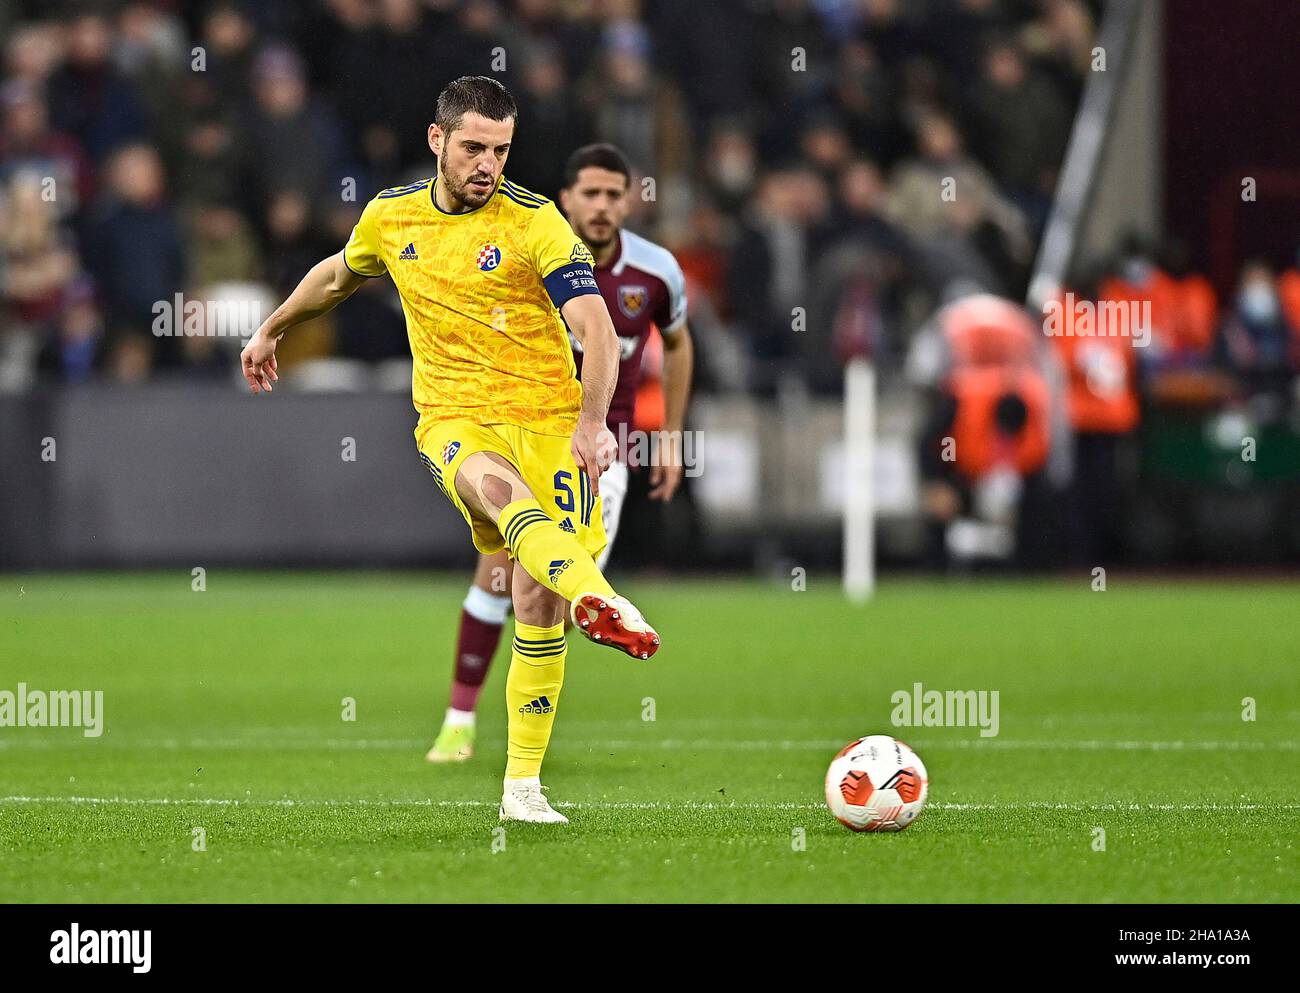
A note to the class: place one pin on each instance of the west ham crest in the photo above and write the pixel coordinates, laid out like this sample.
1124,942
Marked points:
631,300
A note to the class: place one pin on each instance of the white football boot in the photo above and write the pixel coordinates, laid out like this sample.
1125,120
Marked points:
523,800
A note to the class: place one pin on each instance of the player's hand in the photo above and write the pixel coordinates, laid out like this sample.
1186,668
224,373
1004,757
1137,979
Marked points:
258,362
593,448
666,473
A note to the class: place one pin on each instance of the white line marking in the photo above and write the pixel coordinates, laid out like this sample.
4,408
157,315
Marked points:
288,743
620,804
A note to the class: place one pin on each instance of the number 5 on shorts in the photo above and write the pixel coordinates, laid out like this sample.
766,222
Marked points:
564,492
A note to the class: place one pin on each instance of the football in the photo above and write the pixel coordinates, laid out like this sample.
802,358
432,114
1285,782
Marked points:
876,783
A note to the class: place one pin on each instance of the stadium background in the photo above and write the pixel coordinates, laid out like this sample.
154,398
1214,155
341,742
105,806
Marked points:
1148,724
794,148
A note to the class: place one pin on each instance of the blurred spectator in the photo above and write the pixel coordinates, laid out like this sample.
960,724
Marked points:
1197,314
1179,334
153,55
1104,408
864,99
730,166
541,27
825,146
229,47
27,144
702,252
551,126
214,164
861,213
636,110
1061,41
88,97
715,79
788,33
1288,291
71,352
988,433
39,261
401,45
770,263
475,41
151,47
292,139
33,52
857,283
293,246
951,207
1257,341
136,251
223,248
1022,127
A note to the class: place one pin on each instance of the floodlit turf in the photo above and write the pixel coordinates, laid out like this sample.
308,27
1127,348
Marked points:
1119,711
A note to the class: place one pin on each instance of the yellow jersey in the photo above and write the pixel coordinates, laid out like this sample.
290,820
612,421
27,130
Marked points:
481,292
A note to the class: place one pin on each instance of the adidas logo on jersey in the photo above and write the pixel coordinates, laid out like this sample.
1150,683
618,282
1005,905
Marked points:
540,705
558,566
566,525
409,252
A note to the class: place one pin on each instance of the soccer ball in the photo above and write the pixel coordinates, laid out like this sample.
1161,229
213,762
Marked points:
876,783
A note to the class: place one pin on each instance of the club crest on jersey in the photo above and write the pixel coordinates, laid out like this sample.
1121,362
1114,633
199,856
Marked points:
631,300
449,451
489,257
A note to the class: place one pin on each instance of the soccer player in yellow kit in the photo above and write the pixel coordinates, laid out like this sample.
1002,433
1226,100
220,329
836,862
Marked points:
490,274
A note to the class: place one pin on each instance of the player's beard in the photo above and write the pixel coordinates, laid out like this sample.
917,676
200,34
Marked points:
462,193
598,247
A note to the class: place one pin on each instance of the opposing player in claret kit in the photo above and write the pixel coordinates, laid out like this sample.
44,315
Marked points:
490,274
643,287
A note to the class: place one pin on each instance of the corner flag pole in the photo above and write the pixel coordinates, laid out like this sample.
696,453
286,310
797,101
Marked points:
859,499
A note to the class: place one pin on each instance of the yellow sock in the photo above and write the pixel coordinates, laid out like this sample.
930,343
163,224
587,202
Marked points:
532,692
555,559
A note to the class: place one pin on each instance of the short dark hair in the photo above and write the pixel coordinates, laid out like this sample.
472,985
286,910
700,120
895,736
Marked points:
602,156
473,94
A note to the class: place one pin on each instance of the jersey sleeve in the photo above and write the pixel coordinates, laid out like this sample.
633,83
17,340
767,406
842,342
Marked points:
671,317
363,253
560,257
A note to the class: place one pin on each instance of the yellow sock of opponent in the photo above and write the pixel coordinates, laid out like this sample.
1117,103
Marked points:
554,558
532,692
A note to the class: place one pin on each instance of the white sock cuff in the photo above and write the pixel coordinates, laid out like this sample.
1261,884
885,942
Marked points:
459,718
526,780
490,608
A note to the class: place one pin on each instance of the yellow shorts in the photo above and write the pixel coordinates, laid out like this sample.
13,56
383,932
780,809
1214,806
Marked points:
544,461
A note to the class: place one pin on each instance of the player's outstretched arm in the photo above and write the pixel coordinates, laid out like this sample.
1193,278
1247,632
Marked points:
326,285
594,447
679,368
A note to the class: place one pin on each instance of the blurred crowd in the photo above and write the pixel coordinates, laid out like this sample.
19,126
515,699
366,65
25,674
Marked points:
794,154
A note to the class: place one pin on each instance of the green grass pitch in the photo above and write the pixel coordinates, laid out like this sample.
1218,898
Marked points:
1119,710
